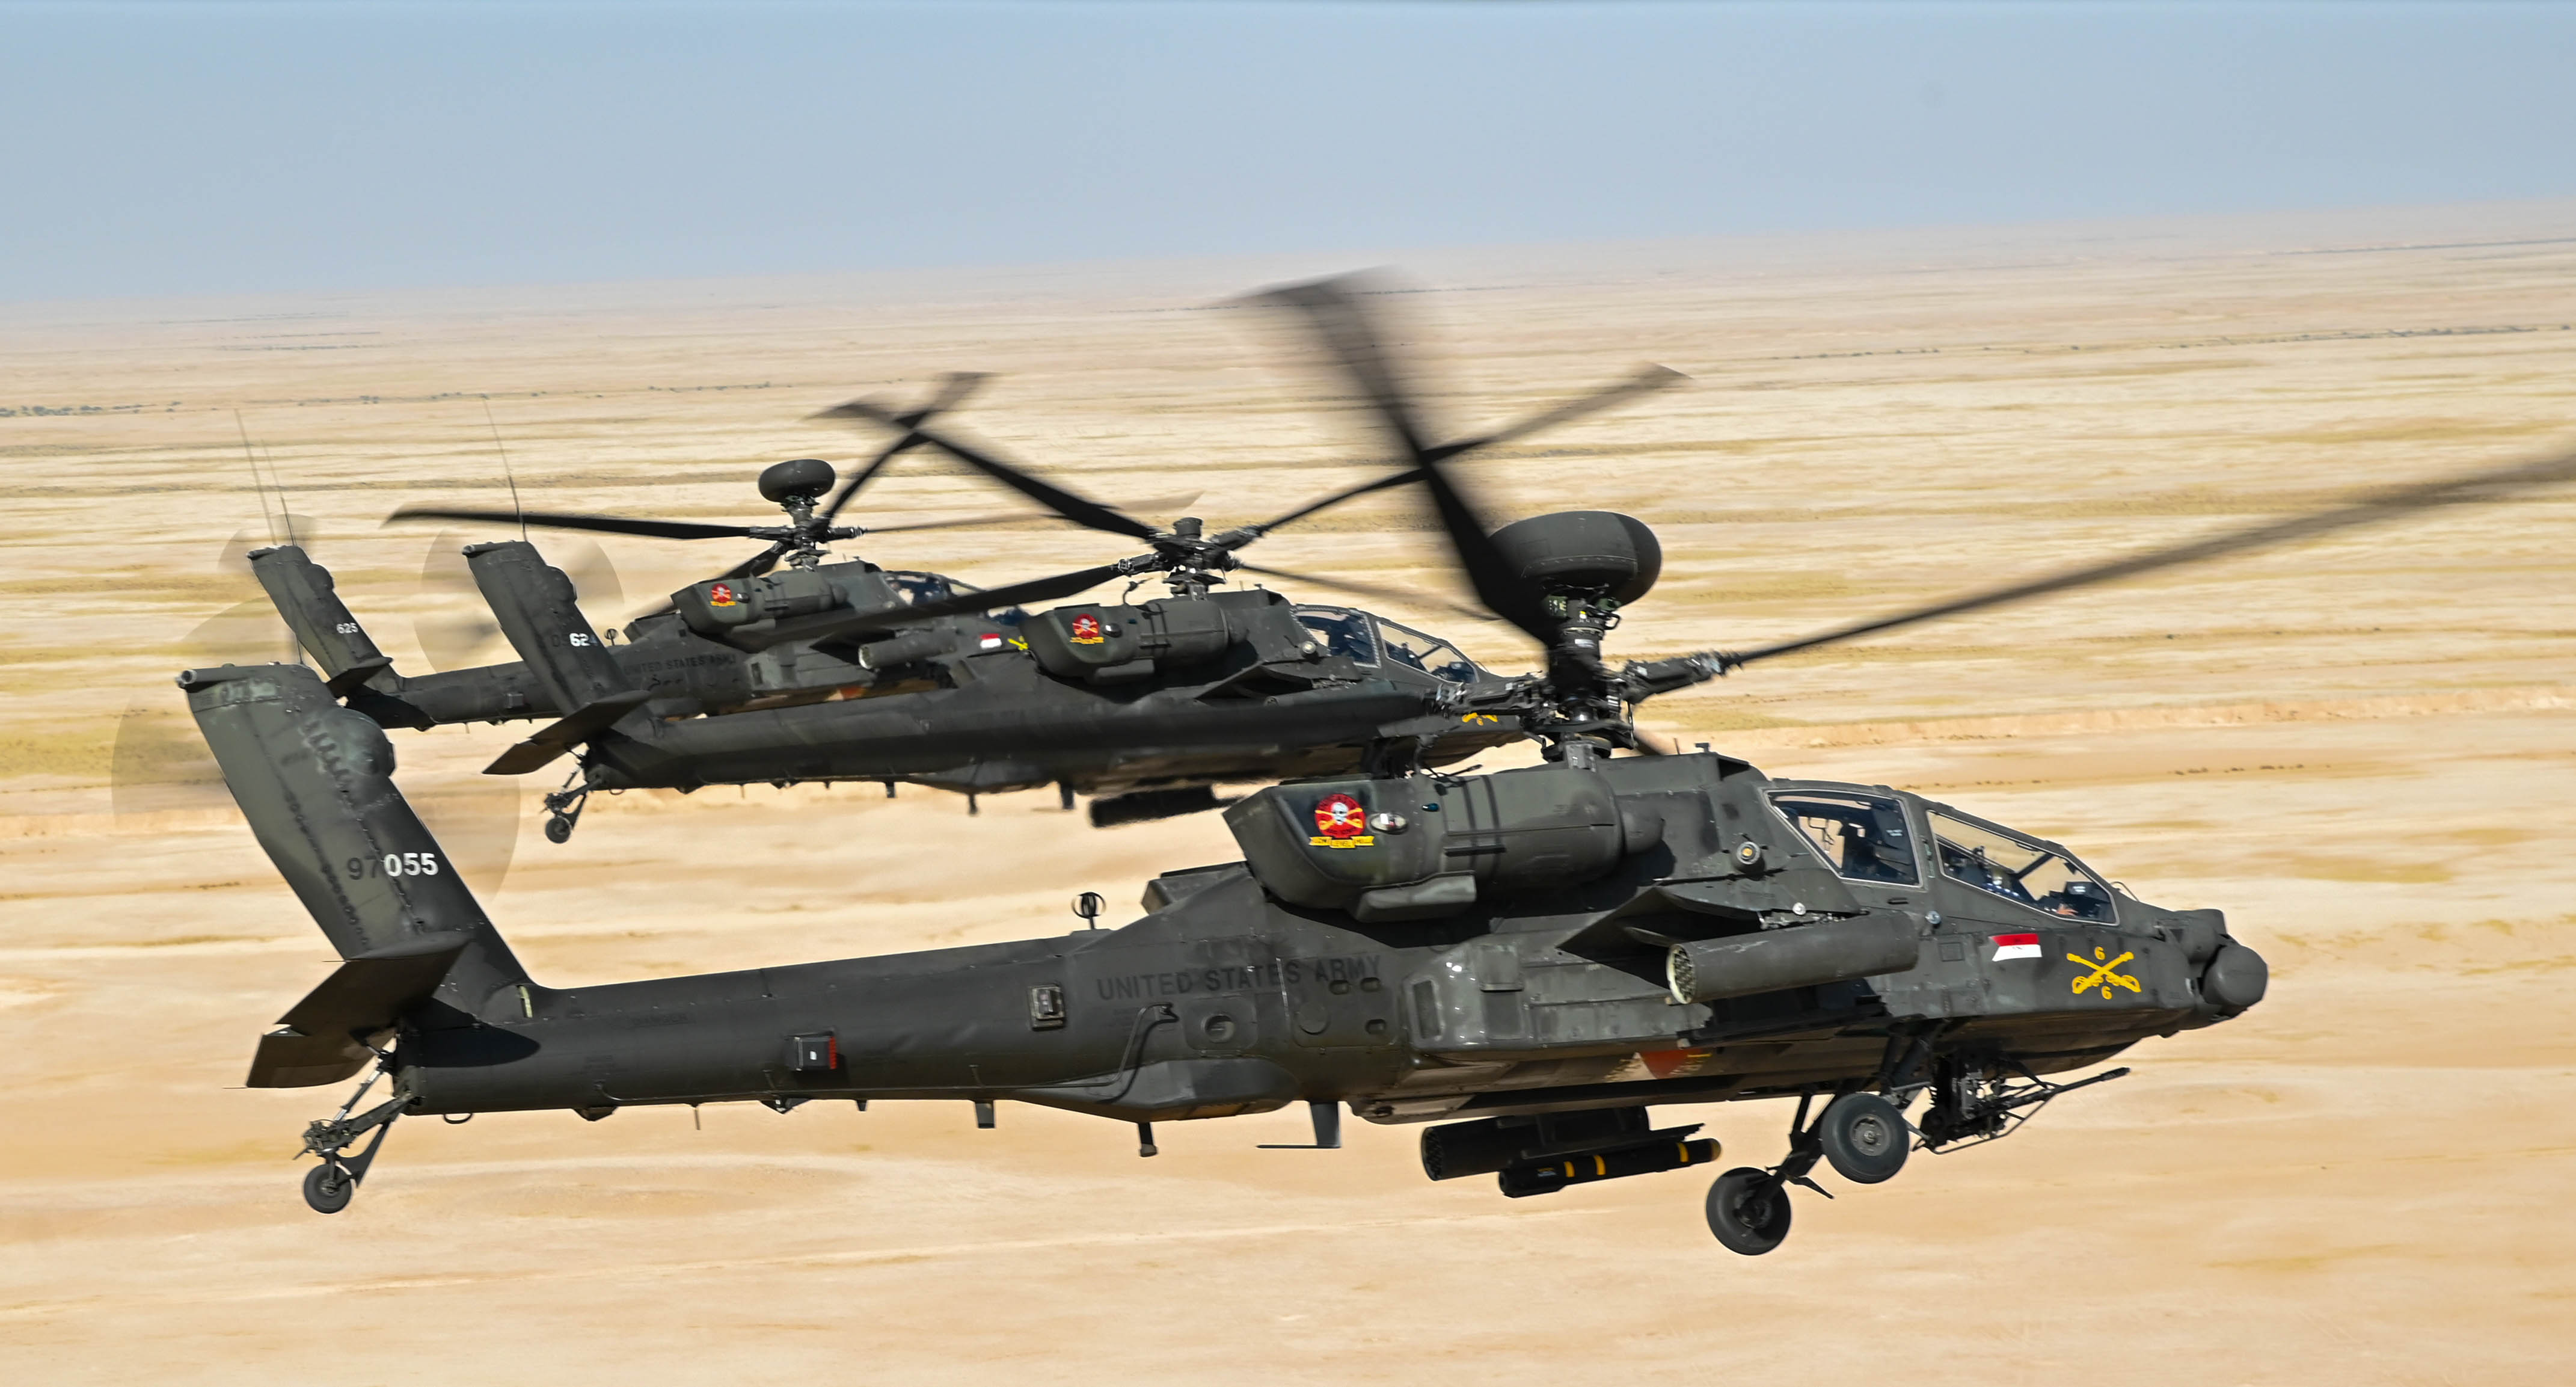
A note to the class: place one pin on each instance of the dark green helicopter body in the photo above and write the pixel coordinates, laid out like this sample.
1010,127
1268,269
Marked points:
1181,692
1173,694
1533,956
844,671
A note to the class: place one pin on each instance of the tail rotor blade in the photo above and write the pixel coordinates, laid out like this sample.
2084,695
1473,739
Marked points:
160,762
594,578
461,633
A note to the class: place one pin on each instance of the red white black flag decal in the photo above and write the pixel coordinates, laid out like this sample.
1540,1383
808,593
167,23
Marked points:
2016,946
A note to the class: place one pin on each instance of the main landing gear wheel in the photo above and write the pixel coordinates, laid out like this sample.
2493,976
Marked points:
1748,1210
329,1186
564,806
1864,1137
328,1189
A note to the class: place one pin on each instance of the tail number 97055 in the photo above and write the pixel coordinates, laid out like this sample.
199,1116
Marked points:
393,864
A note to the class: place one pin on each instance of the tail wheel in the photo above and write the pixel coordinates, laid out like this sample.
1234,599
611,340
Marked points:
1864,1137
328,1188
1748,1211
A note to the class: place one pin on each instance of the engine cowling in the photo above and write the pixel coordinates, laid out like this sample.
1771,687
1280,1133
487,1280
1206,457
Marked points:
1421,846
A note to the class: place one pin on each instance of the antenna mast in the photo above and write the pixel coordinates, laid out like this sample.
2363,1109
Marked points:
513,477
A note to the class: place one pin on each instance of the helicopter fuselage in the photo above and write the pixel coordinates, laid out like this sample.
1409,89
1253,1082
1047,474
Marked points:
1556,947
1185,691
1536,994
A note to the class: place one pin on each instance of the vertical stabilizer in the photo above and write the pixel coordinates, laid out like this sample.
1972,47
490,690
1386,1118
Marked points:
541,614
316,782
322,623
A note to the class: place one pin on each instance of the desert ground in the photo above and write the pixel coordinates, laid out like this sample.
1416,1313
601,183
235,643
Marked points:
2362,747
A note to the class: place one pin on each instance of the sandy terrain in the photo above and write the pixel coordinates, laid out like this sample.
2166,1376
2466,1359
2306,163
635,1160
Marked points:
2363,748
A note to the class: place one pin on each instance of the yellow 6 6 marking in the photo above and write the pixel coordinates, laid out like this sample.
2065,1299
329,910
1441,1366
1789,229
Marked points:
2102,975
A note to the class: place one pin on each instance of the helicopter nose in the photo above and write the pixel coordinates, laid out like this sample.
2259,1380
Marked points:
2237,978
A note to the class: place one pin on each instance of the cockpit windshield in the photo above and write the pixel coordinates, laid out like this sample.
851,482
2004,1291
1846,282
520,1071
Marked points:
1341,632
913,589
916,588
1429,654
2019,871
1863,836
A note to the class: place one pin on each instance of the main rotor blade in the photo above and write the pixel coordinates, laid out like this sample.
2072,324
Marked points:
752,567
1392,479
1334,309
953,390
954,387
1387,592
826,628
604,524
1012,594
2490,484
967,522
1645,380
875,465
1081,510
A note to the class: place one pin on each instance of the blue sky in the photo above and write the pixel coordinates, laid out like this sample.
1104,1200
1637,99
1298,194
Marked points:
210,147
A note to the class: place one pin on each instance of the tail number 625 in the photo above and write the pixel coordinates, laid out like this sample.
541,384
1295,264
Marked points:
393,864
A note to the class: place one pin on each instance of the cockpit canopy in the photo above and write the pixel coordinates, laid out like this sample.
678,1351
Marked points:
1373,641
1869,836
1863,837
1995,860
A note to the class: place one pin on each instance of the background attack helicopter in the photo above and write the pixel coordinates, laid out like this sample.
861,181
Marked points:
1542,952
846,672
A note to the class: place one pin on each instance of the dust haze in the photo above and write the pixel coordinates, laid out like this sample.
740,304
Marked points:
2362,748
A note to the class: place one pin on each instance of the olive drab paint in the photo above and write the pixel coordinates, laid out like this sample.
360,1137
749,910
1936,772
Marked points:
1114,701
1501,962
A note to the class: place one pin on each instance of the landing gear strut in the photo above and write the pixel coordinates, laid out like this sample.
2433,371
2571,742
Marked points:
330,1186
564,806
1861,1135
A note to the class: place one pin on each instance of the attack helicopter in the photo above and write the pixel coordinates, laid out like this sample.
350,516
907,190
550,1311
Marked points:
1525,961
786,668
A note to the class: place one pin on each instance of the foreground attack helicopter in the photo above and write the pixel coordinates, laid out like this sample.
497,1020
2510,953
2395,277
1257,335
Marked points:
844,671
1527,959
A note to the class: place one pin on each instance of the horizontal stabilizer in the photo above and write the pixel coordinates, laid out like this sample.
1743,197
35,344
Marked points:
555,738
323,1039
